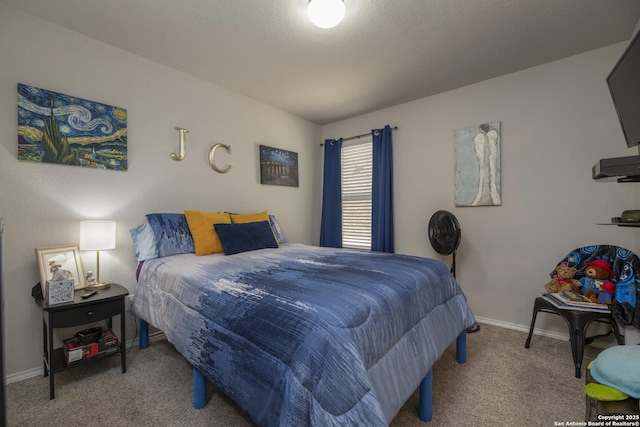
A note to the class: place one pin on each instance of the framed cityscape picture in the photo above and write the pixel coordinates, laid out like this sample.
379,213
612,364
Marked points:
278,167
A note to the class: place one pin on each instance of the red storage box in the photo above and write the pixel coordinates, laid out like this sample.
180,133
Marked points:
75,351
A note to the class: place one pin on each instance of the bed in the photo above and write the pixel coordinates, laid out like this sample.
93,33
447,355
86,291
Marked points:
299,335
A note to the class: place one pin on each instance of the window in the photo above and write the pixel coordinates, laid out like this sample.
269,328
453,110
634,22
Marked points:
357,167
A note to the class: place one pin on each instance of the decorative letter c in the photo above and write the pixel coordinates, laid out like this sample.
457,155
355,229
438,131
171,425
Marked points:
212,153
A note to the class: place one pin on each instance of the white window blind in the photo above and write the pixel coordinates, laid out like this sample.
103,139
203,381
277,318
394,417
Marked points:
357,167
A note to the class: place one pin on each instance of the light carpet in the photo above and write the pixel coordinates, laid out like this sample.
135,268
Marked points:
501,384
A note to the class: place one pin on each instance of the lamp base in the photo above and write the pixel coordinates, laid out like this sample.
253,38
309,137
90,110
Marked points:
98,286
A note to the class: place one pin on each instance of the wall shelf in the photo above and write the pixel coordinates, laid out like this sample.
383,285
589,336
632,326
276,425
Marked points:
620,223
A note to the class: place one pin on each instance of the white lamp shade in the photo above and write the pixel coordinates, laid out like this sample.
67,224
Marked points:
326,13
97,235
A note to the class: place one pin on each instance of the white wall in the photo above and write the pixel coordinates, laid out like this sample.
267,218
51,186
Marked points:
557,122
42,204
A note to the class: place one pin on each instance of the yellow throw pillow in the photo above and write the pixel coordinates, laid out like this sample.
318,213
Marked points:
205,238
254,217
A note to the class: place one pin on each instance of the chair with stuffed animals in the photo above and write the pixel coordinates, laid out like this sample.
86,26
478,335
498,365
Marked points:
623,267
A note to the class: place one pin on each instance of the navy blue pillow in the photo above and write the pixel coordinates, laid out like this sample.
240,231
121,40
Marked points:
250,236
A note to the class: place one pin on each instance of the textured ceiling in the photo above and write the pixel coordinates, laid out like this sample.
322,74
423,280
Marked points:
385,52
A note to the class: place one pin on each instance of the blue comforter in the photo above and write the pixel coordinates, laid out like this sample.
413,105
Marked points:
302,335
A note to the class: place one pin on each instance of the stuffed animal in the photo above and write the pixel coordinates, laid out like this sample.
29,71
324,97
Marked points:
596,285
563,280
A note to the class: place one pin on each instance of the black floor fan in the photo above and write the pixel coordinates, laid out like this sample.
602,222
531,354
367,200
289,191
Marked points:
444,235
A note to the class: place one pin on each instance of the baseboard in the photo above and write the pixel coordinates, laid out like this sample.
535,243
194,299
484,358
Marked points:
516,327
24,375
541,332
35,372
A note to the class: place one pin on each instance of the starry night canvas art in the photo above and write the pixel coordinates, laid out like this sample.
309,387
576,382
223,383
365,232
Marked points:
278,167
64,129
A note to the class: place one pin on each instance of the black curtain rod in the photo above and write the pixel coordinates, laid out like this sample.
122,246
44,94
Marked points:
361,136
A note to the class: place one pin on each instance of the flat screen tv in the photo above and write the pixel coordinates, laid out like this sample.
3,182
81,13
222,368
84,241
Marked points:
624,85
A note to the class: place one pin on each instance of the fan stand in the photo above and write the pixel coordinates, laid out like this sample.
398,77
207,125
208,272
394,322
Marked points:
476,326
453,264
444,235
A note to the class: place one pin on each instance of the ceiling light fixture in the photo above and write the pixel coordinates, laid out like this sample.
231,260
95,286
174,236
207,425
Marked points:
326,13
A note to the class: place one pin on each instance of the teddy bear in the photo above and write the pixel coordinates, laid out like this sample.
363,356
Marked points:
562,280
596,285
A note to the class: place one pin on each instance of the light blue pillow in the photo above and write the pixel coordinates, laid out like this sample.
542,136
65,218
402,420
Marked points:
144,244
171,233
244,237
618,367
276,229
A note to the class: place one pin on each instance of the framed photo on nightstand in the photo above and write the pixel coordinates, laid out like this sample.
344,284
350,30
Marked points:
58,264
60,291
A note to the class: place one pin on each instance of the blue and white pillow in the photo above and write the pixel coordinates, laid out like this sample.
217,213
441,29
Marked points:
144,244
276,229
171,233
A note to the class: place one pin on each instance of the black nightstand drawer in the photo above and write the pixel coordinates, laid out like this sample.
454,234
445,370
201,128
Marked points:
83,315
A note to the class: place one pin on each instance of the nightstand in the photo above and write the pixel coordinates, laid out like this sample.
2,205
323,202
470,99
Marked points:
104,305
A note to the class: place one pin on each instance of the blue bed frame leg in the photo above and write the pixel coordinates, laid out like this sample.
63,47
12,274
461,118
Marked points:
461,347
144,334
426,386
199,389
426,399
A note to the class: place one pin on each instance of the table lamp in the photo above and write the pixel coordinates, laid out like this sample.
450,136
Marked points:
97,235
